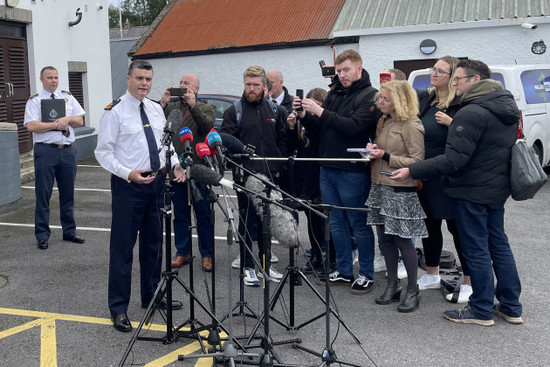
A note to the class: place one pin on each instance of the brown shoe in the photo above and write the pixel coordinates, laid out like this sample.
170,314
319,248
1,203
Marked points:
207,263
179,261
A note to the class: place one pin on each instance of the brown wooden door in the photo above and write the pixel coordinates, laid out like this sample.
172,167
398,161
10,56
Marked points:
14,87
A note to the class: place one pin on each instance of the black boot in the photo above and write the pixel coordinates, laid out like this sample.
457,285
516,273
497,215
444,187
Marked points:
411,300
392,293
313,265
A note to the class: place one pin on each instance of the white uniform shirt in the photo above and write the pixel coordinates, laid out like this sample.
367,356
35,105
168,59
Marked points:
121,143
33,112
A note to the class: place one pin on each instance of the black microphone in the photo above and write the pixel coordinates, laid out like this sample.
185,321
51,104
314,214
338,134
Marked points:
206,176
283,224
172,123
215,142
235,146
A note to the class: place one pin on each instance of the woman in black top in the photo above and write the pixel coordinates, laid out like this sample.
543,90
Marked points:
437,107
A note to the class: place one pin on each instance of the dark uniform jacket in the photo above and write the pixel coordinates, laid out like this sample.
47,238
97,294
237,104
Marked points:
479,143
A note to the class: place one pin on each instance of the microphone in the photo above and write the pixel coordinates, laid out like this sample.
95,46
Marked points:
206,176
203,151
234,145
172,123
283,224
186,137
215,142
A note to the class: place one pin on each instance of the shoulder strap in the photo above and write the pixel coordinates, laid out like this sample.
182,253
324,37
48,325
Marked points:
238,111
273,108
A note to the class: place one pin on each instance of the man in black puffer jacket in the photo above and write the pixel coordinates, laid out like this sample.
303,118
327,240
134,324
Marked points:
347,119
477,161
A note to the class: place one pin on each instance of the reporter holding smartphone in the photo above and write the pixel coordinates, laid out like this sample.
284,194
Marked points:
394,205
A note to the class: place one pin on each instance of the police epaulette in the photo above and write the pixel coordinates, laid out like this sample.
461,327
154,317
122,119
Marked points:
111,105
66,91
34,95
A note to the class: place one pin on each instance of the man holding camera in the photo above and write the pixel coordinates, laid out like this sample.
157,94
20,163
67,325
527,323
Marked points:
347,119
199,118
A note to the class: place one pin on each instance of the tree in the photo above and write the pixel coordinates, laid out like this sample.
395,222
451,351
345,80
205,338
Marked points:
136,12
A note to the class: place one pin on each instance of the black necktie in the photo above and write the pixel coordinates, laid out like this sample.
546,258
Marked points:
153,154
53,96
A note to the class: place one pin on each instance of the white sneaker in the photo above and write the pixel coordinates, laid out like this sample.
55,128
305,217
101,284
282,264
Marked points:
429,281
401,271
274,275
379,264
236,264
463,295
274,258
250,278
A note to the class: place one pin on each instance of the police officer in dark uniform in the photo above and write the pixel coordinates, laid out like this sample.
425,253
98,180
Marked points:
127,146
54,157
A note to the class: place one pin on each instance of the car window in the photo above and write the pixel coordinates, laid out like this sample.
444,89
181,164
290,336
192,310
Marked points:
219,106
499,78
536,85
422,82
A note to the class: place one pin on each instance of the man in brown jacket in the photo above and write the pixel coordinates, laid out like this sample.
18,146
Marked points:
199,118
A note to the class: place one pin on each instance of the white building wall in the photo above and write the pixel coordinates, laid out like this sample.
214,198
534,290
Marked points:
498,45
223,73
52,42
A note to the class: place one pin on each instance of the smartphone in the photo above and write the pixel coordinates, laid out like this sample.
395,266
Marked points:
326,70
386,173
178,91
300,94
385,77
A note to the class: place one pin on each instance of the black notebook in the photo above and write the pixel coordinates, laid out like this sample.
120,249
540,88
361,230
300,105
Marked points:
52,109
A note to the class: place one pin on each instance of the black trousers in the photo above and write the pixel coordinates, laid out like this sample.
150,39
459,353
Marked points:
52,163
136,209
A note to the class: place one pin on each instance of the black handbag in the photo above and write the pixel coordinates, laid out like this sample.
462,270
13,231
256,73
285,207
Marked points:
526,174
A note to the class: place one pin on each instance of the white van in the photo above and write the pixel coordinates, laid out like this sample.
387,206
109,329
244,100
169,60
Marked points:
530,85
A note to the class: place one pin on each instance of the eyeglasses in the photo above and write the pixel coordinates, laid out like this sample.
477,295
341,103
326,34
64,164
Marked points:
438,72
457,78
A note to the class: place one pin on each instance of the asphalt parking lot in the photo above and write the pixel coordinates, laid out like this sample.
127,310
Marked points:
53,303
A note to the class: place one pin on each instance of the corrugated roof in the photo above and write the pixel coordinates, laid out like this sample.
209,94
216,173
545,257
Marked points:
363,14
199,25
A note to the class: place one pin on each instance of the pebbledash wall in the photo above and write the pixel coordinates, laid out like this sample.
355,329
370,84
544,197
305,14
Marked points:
83,47
492,41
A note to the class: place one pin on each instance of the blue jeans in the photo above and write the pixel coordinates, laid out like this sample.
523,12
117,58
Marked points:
182,220
349,189
486,248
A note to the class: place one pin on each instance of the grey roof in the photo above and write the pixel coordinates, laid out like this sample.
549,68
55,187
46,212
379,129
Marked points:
369,14
127,32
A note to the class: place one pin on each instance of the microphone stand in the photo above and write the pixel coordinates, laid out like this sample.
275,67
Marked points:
164,288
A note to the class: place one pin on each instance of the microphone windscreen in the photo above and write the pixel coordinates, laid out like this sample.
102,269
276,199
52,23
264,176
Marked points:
214,139
174,119
232,144
205,175
185,134
202,150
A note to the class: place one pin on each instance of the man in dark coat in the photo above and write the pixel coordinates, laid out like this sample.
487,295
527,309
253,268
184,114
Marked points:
347,119
477,161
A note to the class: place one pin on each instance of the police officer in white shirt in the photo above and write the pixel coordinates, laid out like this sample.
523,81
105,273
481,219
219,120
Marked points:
54,157
130,130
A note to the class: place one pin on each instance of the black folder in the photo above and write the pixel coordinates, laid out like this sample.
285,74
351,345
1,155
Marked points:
52,109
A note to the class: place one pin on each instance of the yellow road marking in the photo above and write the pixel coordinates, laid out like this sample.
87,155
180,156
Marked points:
48,340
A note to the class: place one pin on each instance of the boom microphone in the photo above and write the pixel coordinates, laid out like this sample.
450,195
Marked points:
283,224
234,145
172,123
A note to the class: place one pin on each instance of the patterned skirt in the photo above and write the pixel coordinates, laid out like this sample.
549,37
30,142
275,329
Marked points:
398,211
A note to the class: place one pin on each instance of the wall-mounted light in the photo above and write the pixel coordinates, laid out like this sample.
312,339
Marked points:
538,48
428,46
12,3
